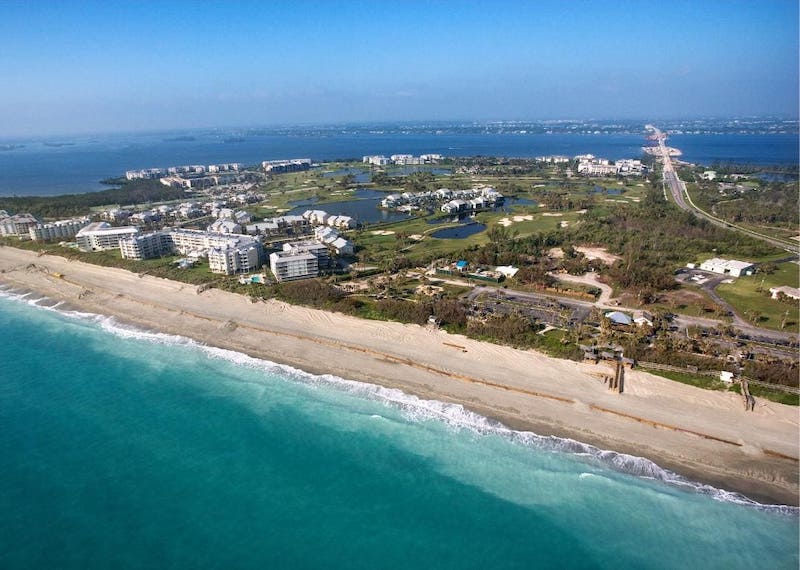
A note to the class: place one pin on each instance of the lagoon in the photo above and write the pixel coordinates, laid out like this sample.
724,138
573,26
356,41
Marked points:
363,208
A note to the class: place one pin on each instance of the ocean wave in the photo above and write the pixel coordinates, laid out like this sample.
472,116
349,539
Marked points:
413,408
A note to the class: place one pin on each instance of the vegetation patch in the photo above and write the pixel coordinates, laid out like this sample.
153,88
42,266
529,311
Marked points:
751,298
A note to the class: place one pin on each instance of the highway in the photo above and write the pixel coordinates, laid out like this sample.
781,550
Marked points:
681,197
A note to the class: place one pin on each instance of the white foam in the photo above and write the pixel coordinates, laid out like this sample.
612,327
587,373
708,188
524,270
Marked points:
416,409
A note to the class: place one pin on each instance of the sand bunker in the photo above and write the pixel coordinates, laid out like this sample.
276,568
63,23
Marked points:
505,222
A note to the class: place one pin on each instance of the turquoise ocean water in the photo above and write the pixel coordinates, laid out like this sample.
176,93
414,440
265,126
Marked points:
126,449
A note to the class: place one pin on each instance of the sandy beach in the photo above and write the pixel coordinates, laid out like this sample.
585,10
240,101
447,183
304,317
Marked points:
704,435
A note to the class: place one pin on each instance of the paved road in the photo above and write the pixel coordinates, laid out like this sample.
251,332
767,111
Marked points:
671,179
709,284
684,201
680,321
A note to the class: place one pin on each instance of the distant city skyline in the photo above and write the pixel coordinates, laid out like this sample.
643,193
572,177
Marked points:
95,67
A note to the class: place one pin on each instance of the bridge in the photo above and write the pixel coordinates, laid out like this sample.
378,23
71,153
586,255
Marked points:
681,197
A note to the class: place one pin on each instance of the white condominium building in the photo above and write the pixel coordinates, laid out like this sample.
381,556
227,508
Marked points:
187,241
226,254
62,229
279,166
18,225
234,258
146,246
318,250
596,168
376,160
101,236
291,265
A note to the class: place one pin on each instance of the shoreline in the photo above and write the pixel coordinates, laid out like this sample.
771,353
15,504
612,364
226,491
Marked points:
704,436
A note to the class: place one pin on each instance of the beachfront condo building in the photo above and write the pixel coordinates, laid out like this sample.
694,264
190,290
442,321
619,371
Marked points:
101,236
188,241
293,264
227,254
315,248
146,246
231,258
18,225
62,229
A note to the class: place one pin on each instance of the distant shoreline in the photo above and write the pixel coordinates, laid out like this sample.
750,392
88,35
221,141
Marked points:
78,168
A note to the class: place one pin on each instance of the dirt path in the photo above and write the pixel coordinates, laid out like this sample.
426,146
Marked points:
590,279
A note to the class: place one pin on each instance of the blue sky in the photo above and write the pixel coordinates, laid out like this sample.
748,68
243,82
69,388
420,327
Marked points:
75,66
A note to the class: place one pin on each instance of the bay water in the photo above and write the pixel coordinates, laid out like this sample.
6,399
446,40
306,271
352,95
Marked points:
78,164
121,448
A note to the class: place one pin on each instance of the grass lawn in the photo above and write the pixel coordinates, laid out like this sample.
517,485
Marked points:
704,255
775,395
691,301
745,296
776,231
444,247
707,382
713,383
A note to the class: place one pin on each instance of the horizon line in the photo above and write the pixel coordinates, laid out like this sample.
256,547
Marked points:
399,122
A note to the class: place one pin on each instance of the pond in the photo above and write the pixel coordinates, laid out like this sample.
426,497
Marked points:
609,191
459,232
511,201
461,218
307,202
361,176
366,193
363,209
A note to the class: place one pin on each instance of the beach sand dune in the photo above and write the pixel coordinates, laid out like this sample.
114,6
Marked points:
707,436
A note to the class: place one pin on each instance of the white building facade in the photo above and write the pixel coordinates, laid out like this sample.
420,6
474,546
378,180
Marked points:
731,267
292,265
101,236
18,225
226,254
62,229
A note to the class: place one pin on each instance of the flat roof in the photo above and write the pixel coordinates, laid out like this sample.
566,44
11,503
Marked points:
289,256
728,263
96,229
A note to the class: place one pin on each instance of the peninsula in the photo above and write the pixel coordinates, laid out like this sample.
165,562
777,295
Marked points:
400,269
